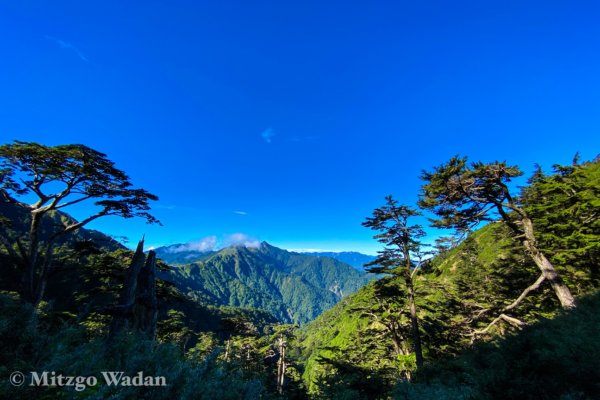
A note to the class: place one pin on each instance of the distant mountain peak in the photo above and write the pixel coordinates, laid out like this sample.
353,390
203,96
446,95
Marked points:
353,258
293,287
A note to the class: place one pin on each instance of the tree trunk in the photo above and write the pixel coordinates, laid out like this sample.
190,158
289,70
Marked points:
281,365
227,345
42,280
414,322
412,308
29,274
127,298
401,350
145,310
548,271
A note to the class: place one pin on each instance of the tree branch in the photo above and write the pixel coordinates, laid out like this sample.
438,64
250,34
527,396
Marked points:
507,220
69,203
502,317
529,289
8,197
78,225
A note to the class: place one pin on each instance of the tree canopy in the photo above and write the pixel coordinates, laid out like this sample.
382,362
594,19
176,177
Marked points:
401,241
52,178
60,176
462,195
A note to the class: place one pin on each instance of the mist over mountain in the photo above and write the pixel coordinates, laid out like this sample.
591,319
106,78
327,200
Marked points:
176,254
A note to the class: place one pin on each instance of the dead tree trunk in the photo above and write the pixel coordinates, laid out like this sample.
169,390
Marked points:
123,311
145,310
227,347
281,365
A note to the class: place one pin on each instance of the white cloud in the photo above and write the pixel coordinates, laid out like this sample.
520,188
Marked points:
267,135
205,244
211,243
241,239
240,212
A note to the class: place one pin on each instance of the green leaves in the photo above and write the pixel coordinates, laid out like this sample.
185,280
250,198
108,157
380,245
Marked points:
463,195
68,174
397,235
565,208
59,177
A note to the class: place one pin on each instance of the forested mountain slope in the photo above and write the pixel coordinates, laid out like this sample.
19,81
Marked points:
91,266
17,219
295,288
472,293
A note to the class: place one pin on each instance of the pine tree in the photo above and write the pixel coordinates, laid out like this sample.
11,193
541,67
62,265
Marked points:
463,195
401,246
58,177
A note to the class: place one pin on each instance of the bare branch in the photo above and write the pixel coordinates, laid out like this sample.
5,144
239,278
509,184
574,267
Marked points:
502,317
529,289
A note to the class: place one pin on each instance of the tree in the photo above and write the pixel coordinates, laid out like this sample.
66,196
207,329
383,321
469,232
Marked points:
391,322
282,334
463,195
566,209
401,244
137,306
55,178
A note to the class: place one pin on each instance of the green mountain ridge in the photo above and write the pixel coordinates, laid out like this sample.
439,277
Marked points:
295,288
353,258
181,253
91,258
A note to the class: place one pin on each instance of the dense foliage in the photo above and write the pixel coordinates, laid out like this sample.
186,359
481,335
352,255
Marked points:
555,359
462,295
35,343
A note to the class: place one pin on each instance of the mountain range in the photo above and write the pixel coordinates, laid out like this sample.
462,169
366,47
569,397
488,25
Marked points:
293,287
289,287
353,258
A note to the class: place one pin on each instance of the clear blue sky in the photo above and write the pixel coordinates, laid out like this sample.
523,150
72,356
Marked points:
290,121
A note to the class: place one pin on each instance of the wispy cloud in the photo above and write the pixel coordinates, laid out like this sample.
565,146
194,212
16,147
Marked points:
205,244
211,243
241,239
240,212
268,135
68,46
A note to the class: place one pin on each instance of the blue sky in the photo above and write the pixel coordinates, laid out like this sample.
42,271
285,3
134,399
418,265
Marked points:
290,121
